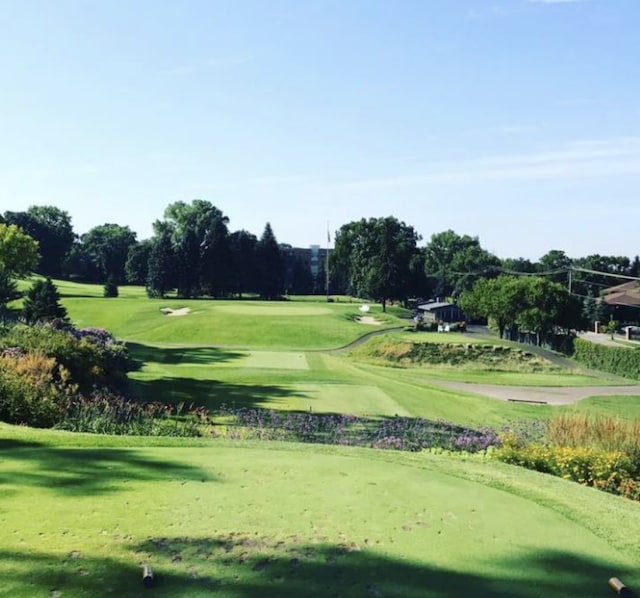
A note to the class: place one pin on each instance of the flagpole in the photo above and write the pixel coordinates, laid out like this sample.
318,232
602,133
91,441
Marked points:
326,262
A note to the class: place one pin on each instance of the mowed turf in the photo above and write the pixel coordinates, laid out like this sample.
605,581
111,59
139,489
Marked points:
252,324
81,515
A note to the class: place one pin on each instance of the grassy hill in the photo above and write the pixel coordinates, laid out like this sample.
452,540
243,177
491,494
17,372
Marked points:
80,514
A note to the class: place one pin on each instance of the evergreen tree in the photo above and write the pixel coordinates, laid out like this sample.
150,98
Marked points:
8,292
42,303
160,277
243,271
589,309
270,265
110,287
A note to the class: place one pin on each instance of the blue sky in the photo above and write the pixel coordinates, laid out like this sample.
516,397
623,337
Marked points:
517,121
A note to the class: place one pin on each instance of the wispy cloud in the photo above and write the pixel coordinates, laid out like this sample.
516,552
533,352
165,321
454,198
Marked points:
580,159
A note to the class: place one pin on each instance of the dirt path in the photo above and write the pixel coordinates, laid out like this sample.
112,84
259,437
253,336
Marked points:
552,395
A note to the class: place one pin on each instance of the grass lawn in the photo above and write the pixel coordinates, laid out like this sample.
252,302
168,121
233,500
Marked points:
260,519
251,324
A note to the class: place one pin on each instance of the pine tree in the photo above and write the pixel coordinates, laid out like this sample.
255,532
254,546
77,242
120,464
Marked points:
589,309
270,265
110,287
42,303
8,292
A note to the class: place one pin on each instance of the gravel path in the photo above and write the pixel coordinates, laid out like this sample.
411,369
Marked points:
552,395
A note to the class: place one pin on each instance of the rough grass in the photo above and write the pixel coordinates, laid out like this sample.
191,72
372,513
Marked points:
249,520
393,351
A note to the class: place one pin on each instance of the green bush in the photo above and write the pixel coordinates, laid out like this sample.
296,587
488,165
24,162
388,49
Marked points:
620,361
34,390
92,357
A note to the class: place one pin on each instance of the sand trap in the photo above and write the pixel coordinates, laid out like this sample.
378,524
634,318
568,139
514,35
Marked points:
183,311
370,320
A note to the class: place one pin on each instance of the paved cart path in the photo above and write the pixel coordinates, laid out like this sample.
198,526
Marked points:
552,395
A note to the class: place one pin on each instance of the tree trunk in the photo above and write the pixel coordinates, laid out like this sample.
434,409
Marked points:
384,305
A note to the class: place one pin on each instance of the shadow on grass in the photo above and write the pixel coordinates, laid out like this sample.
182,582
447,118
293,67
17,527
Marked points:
79,472
237,566
211,394
188,355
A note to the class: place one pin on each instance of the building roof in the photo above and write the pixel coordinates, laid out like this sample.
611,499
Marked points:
435,305
623,294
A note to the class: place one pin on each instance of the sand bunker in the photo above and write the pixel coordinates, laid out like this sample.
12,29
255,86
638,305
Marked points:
168,311
371,321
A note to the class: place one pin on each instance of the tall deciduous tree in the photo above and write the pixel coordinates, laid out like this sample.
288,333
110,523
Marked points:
18,251
270,265
454,262
529,304
136,267
52,229
161,265
108,247
377,255
200,237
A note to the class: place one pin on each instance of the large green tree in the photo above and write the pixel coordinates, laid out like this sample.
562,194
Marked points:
376,255
108,246
529,304
52,229
136,267
18,251
243,276
200,238
455,262
161,265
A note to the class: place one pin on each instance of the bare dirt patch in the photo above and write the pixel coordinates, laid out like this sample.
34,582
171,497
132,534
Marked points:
168,311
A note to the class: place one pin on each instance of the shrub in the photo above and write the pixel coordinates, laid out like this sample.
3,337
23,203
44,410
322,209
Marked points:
34,390
620,361
110,287
91,356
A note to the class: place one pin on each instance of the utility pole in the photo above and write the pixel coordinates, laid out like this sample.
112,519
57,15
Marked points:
570,281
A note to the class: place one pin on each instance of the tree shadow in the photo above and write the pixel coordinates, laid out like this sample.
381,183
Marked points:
211,394
173,355
251,566
81,472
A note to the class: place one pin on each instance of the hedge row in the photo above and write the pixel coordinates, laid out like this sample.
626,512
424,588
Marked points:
620,361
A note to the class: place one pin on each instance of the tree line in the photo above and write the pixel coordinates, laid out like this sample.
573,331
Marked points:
194,252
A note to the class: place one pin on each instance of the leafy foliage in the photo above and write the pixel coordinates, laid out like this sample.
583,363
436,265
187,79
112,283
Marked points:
455,262
52,229
18,251
376,257
620,361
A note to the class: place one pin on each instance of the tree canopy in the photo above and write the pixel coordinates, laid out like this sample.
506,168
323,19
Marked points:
18,251
376,255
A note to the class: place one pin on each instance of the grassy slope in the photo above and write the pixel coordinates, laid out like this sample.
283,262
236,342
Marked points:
249,520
